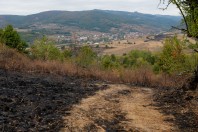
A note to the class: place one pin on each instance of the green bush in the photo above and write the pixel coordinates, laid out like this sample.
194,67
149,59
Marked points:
109,62
85,57
67,53
44,49
12,39
141,62
172,58
191,62
136,57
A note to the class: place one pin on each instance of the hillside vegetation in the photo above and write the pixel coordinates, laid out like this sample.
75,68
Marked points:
97,20
136,67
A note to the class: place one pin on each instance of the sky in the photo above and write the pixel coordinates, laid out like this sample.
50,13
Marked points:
26,7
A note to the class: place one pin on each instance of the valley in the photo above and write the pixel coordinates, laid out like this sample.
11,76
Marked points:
97,71
92,26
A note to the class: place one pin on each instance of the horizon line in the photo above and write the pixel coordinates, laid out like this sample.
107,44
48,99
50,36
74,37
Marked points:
85,10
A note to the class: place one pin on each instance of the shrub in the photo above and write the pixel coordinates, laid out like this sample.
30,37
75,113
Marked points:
12,39
85,57
109,62
191,62
172,58
67,53
136,57
44,49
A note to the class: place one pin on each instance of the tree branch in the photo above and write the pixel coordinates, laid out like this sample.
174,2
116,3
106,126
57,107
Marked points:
182,29
164,3
196,50
182,13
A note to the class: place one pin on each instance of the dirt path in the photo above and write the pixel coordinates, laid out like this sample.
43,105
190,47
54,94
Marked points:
119,108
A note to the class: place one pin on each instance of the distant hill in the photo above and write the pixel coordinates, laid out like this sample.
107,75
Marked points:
94,20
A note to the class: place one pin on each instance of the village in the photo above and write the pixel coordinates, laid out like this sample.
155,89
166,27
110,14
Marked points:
93,39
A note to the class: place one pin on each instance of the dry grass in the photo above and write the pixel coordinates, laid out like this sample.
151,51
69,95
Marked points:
123,47
11,60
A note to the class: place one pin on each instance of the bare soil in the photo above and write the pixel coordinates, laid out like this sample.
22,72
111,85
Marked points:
68,103
119,108
122,47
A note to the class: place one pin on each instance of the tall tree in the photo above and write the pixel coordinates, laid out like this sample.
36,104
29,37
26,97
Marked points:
189,12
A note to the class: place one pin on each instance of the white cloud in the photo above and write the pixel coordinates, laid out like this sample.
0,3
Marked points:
24,7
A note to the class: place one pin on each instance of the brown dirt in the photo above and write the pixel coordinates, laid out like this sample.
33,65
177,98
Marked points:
119,108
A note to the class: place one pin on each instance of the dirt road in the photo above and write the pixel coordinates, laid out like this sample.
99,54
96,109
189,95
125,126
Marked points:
118,108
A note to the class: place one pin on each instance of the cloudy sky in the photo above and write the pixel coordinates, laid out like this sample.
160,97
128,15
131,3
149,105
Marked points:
25,7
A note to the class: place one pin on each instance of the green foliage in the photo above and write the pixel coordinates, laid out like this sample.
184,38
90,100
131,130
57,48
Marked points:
1,32
11,38
126,61
85,57
67,53
109,62
191,62
113,58
137,58
44,49
172,58
141,62
189,12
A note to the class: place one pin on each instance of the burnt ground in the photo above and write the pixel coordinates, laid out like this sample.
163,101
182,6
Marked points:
183,105
38,102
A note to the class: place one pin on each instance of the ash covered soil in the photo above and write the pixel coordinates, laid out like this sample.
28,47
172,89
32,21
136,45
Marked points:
181,104
38,103
30,102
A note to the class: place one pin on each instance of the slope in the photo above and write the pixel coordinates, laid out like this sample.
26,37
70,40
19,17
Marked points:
95,20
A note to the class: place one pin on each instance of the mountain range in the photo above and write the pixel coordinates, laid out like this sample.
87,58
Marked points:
94,20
